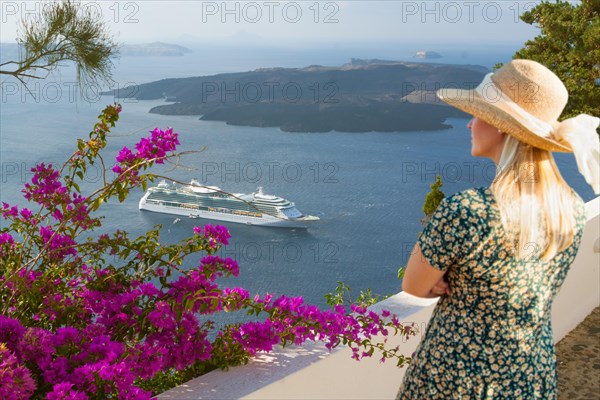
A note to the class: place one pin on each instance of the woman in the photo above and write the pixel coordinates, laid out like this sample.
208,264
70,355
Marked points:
497,256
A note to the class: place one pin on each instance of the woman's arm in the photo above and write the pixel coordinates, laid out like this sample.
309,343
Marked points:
421,279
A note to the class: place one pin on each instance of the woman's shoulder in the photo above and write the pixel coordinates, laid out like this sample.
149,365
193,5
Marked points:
472,198
472,205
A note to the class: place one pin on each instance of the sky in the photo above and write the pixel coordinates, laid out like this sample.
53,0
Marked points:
310,23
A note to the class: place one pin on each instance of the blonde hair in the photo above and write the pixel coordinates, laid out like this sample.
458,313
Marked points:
536,204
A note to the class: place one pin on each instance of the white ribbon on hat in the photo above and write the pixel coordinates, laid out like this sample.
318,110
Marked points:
579,132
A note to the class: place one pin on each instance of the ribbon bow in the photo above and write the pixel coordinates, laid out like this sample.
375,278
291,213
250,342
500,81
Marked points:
580,133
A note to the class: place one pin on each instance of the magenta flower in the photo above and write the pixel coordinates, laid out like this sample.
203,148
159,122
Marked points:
157,145
125,156
8,211
59,246
26,214
15,379
11,332
152,148
46,188
64,391
7,243
217,266
216,235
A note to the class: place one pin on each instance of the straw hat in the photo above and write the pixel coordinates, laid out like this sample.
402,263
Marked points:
530,86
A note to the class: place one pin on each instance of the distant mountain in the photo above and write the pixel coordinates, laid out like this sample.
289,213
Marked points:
360,96
156,49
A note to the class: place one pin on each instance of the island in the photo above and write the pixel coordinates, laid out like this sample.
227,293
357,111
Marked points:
359,96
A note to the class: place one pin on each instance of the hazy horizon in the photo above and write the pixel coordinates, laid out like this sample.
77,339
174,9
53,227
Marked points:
298,22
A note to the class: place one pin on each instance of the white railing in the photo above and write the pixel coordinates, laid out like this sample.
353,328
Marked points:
312,372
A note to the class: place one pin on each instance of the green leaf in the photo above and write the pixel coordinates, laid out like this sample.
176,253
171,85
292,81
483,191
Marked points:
401,272
76,186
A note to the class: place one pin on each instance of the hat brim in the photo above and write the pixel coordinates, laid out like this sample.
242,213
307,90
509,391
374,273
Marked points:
473,103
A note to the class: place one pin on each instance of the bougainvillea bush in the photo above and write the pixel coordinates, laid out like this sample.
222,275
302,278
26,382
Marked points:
85,315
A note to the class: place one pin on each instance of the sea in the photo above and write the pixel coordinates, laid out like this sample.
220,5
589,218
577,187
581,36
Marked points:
367,188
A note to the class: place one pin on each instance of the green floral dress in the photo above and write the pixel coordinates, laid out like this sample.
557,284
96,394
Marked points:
491,338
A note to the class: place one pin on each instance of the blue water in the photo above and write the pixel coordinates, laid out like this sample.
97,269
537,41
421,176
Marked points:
368,189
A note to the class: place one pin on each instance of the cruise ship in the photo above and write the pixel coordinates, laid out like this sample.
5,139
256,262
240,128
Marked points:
210,202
